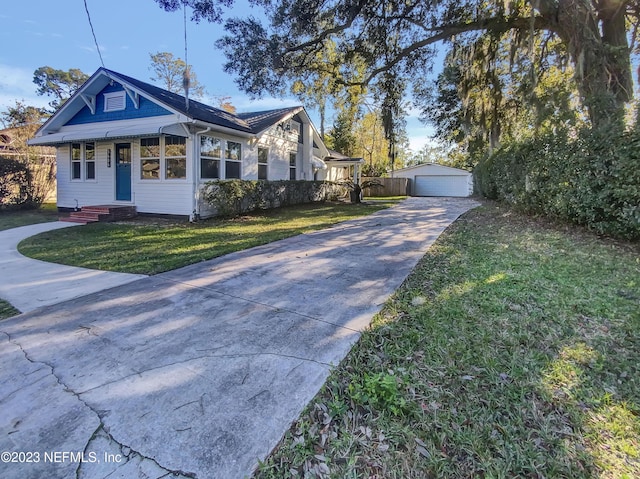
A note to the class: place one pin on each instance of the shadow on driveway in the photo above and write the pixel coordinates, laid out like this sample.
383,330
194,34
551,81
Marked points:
198,372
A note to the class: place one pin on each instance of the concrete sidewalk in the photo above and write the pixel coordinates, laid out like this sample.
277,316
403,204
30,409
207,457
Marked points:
29,284
198,372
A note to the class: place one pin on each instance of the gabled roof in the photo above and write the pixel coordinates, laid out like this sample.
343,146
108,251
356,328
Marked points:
252,123
454,170
261,120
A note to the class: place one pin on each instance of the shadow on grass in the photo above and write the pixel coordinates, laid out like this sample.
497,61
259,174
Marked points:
136,247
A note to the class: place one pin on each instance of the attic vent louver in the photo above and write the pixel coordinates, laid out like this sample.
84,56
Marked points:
114,101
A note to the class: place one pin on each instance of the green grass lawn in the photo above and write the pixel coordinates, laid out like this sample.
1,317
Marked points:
512,350
150,246
7,310
14,218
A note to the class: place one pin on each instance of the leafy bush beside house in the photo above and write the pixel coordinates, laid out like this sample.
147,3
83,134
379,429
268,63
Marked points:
592,179
25,184
235,197
14,178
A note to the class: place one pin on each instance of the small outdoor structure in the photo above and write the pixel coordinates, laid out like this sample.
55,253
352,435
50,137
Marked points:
431,179
343,168
123,142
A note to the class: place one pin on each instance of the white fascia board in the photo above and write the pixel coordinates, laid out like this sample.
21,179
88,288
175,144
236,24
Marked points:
62,115
460,171
222,129
288,116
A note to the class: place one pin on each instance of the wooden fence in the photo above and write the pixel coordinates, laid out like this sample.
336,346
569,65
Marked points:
390,187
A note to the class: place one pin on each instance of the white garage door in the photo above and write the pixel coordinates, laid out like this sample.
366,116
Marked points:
443,185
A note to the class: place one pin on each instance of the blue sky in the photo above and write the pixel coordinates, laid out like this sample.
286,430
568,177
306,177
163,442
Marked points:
35,33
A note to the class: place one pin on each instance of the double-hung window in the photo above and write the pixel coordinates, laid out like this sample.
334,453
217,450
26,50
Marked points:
175,156
263,159
210,154
83,153
293,157
90,161
233,160
76,161
150,158
168,153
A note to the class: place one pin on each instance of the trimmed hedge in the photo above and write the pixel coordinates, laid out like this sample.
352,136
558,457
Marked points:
592,179
234,197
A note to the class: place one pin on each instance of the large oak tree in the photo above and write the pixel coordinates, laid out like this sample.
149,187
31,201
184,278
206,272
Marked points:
395,39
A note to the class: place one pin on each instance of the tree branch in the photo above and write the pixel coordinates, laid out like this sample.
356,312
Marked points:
446,31
353,14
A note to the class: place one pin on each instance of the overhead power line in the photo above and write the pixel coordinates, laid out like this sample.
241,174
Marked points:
93,33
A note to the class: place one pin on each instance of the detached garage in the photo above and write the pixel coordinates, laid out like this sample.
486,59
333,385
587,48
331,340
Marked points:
431,179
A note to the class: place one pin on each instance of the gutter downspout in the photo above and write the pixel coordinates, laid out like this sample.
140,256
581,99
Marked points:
195,207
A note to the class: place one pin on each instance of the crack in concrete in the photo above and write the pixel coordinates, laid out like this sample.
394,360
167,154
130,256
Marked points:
101,427
130,455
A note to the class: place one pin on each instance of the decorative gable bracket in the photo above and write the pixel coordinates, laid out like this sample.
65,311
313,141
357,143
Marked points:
135,98
90,100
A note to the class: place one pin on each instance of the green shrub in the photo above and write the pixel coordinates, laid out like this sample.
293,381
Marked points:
14,182
234,197
592,179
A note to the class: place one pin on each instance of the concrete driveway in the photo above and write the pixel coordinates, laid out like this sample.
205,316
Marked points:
199,372
30,284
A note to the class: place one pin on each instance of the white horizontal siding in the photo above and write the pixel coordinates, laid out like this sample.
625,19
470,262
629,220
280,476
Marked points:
85,192
150,196
161,196
279,149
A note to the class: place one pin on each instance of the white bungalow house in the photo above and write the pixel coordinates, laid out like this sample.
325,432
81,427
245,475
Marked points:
120,141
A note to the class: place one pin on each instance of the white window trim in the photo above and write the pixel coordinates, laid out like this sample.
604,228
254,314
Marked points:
162,160
149,158
294,166
114,95
83,162
266,163
163,153
219,159
223,157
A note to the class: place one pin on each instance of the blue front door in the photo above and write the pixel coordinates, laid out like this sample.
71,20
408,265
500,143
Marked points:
123,172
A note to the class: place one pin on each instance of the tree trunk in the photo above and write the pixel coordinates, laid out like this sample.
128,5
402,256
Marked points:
597,43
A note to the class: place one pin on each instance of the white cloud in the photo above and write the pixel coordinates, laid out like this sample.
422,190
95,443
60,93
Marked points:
92,48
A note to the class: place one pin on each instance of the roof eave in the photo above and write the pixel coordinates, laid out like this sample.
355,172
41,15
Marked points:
222,129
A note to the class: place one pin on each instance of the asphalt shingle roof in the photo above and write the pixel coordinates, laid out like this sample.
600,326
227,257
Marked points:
251,122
